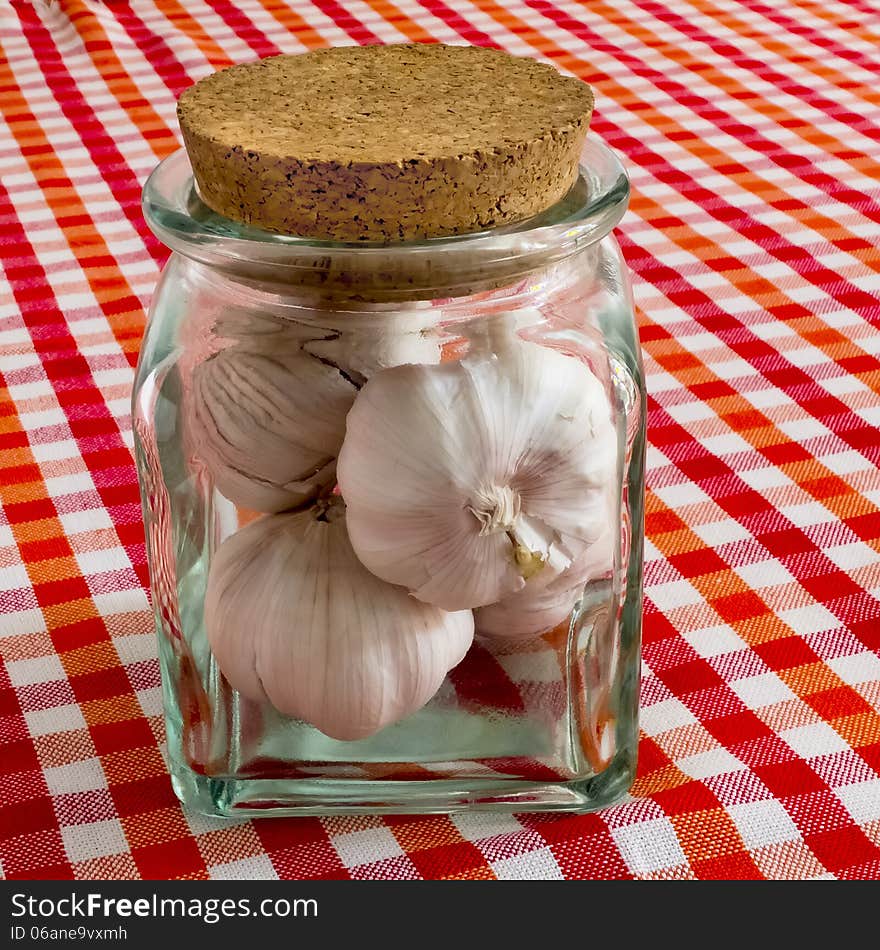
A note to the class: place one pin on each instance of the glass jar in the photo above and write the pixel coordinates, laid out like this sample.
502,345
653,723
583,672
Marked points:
257,347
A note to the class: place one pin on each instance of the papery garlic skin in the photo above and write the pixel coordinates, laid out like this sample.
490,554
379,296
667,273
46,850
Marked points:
267,428
466,479
537,609
294,618
263,332
385,335
361,356
269,395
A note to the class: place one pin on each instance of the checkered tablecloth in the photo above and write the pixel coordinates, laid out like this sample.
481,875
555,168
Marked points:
751,129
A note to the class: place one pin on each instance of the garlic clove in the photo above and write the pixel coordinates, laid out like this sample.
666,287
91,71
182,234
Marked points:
383,335
536,609
362,355
527,613
262,331
294,618
466,480
267,427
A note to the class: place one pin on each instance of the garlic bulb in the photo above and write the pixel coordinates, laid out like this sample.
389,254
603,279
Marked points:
267,425
536,609
292,616
465,479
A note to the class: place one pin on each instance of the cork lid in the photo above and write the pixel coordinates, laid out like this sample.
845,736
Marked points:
384,144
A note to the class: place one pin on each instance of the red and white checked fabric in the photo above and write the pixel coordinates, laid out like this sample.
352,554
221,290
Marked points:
751,129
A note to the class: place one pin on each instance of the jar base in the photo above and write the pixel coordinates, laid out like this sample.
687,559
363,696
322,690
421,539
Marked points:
247,798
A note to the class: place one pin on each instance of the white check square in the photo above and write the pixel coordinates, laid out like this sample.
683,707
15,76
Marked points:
95,839
537,865
857,668
763,823
474,826
38,669
649,846
663,716
769,573
85,775
712,762
714,641
862,800
257,868
44,722
814,618
765,689
814,740
366,846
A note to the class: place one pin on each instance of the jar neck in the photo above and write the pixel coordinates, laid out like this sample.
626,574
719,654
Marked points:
568,279
452,267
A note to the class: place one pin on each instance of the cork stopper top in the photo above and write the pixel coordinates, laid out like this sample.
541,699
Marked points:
385,143
378,104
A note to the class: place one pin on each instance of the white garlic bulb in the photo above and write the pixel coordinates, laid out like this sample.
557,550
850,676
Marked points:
267,427
465,479
538,608
292,616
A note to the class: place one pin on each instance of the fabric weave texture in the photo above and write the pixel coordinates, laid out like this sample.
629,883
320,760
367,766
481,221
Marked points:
751,131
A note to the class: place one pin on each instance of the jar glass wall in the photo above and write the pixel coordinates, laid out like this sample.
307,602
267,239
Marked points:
257,347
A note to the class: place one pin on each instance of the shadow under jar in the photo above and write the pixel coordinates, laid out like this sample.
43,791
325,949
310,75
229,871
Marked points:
485,387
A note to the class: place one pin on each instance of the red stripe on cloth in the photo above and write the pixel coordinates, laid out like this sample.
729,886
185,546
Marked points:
244,27
797,164
105,154
154,48
347,21
797,27
751,243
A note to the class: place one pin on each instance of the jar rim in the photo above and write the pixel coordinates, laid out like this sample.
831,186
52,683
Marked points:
455,264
